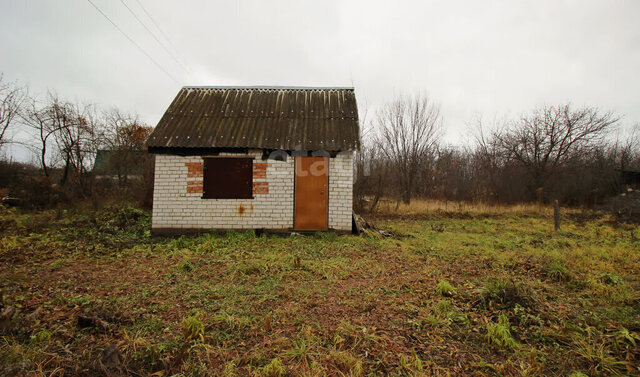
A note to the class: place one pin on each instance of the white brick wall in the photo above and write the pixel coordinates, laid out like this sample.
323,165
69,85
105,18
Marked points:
341,191
174,208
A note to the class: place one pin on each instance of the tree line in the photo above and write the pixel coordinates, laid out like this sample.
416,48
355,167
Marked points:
564,152
556,152
64,137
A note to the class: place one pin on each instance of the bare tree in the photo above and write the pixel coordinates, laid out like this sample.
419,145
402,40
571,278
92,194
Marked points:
78,136
12,98
409,133
75,133
487,160
38,118
550,137
125,138
629,149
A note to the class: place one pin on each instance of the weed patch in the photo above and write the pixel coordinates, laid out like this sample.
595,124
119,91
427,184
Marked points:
444,288
505,294
487,291
192,328
499,333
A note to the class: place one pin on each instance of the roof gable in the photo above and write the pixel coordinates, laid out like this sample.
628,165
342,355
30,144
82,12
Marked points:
286,118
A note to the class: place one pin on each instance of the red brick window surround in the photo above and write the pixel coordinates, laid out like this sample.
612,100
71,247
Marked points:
194,187
260,170
228,178
194,169
260,173
260,187
237,185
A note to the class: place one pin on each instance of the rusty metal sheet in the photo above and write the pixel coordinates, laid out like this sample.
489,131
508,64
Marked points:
286,118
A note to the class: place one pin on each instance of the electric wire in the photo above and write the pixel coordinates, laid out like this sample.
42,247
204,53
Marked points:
133,42
164,35
154,37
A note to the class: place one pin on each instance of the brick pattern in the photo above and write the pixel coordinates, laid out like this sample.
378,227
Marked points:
341,191
194,169
272,205
260,170
175,206
260,182
194,187
260,188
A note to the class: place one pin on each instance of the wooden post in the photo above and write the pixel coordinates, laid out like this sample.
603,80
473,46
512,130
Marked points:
556,215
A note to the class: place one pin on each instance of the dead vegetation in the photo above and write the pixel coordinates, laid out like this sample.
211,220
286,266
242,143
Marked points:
476,293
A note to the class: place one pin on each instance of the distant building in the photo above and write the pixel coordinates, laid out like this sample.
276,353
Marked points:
118,164
630,177
273,158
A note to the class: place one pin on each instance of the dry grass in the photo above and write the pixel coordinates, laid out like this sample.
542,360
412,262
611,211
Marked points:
94,294
429,206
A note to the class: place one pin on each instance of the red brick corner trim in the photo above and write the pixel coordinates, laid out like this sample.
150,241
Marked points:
194,187
194,169
260,188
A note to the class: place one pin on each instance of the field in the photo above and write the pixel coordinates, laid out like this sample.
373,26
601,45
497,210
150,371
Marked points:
456,291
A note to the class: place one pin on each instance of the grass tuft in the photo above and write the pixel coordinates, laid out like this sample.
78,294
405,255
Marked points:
577,374
444,288
611,279
499,334
557,271
186,266
504,294
274,368
192,328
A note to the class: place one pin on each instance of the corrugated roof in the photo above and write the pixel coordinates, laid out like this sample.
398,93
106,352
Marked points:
286,118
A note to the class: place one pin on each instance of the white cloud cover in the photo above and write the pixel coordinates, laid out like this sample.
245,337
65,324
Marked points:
473,57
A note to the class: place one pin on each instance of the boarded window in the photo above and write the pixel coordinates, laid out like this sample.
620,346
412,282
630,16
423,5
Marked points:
228,178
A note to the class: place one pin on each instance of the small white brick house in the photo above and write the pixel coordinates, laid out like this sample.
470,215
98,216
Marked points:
267,158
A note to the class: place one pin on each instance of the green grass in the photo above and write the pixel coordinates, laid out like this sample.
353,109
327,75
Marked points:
465,294
444,288
499,333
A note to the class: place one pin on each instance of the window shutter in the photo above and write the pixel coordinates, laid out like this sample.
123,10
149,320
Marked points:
228,178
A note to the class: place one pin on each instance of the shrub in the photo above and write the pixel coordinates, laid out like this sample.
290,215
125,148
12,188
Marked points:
499,334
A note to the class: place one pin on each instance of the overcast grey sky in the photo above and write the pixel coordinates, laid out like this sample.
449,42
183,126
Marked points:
473,57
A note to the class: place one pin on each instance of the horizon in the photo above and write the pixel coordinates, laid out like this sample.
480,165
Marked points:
493,60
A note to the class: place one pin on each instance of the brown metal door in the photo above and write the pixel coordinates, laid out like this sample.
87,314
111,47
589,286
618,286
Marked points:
312,195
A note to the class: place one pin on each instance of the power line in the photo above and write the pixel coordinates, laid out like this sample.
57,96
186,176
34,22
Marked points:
159,29
134,43
154,36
